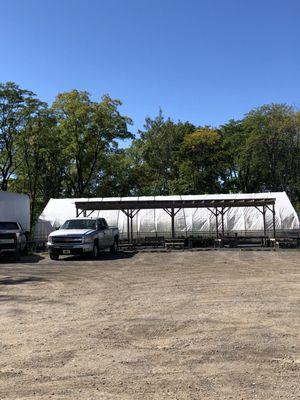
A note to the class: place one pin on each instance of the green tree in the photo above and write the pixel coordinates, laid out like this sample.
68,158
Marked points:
90,130
41,152
235,174
201,167
271,150
17,107
118,177
262,151
157,155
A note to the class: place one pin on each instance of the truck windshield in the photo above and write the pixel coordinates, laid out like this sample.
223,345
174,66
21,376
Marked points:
79,224
10,226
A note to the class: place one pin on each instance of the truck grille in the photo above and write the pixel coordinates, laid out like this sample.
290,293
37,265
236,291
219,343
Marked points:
7,246
67,240
7,235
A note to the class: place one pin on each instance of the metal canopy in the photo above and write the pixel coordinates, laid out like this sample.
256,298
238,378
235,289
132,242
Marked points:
131,207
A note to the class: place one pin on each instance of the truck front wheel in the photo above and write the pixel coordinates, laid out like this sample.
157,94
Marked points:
54,256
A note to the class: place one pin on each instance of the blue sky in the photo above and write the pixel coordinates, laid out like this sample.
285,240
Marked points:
204,61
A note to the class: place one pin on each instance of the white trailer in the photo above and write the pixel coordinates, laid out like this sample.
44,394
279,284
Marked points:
15,207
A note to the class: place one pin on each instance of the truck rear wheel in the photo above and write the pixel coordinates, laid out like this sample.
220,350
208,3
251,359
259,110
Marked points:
25,250
114,247
95,252
17,255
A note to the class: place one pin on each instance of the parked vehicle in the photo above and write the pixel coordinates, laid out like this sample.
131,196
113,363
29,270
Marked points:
14,223
82,236
13,239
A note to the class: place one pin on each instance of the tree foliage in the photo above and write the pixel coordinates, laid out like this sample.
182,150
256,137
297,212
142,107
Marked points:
17,107
157,154
72,148
89,130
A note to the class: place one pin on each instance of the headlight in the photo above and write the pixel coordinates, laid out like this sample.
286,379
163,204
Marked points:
88,239
50,239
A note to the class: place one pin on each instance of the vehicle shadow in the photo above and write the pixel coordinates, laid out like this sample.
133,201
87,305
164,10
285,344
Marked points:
116,256
21,280
26,259
102,256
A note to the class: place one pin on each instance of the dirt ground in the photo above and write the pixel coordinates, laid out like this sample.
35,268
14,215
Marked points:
179,325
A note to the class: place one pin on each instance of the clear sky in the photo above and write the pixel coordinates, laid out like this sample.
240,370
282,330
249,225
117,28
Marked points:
204,61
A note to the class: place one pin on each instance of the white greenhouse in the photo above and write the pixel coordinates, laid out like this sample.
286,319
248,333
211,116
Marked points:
187,222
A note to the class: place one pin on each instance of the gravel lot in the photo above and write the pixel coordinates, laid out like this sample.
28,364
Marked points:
180,325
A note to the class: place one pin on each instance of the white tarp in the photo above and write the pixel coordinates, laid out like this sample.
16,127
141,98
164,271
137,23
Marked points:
15,207
187,221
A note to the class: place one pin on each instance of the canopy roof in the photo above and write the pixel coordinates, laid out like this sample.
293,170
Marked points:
140,203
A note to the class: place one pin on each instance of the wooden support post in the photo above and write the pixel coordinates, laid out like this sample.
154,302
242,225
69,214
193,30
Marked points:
217,223
172,214
173,222
264,219
128,226
130,214
84,213
131,226
236,240
215,213
263,212
274,221
222,220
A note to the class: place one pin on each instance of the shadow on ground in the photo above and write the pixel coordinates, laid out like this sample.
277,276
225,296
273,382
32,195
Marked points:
28,259
20,280
103,256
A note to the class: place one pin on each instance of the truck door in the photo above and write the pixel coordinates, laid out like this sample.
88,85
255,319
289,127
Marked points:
102,234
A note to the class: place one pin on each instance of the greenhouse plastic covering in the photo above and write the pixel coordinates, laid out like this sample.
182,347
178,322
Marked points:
188,221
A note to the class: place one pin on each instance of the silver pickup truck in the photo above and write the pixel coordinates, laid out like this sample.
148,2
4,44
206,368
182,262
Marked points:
13,239
82,236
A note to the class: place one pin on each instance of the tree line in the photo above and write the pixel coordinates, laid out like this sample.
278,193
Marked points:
71,148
